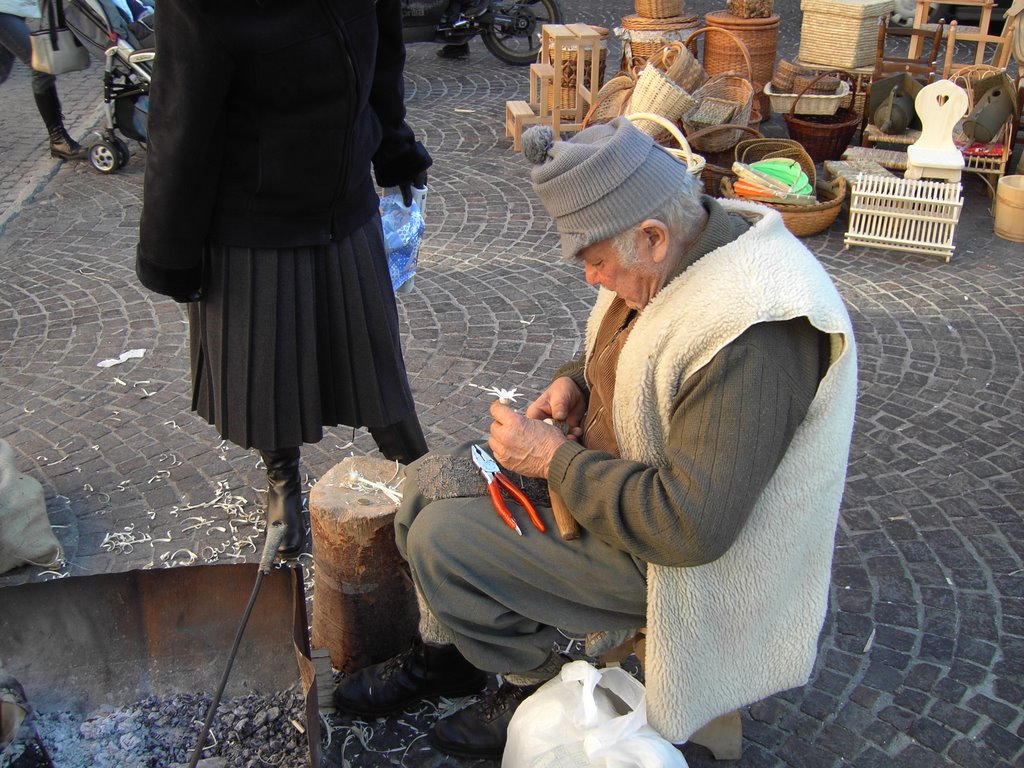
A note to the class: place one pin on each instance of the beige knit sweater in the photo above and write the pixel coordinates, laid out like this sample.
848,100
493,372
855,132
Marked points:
745,626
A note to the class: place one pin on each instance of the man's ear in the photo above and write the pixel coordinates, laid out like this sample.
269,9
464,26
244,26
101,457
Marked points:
654,240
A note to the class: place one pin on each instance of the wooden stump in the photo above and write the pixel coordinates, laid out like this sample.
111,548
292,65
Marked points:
364,606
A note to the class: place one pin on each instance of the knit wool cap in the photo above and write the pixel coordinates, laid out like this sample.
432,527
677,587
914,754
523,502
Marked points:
604,180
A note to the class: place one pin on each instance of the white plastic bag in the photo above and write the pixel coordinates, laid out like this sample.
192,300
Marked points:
403,230
587,718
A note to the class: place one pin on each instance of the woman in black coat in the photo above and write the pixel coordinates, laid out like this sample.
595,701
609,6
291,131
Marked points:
259,210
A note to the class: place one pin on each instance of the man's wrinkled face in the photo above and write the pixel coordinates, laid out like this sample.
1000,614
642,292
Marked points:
635,284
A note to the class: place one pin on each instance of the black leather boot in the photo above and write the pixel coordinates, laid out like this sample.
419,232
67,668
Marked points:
402,441
284,498
421,672
61,143
481,729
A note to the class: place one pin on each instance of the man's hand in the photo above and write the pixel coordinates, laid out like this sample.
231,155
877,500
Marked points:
522,444
561,401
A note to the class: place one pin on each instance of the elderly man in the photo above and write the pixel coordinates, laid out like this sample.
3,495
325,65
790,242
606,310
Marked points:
709,427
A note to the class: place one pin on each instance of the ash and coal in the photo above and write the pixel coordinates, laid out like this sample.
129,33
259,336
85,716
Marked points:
248,731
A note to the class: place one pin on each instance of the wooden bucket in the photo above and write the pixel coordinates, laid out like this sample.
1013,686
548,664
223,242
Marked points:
1009,205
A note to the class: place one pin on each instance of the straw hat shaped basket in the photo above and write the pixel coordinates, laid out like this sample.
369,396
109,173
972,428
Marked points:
694,163
719,164
656,92
611,100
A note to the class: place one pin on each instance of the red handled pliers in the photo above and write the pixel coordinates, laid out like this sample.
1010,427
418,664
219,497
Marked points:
495,478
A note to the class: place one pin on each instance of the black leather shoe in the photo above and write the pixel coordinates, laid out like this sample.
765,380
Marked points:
481,729
421,672
284,498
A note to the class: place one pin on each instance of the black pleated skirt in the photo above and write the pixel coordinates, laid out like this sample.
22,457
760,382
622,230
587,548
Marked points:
288,341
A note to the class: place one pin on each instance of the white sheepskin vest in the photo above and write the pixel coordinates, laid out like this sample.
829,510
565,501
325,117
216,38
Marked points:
729,633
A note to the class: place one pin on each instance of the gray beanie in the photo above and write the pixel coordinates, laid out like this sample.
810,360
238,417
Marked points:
604,180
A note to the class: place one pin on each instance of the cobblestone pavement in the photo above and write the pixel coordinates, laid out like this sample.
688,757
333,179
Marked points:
922,655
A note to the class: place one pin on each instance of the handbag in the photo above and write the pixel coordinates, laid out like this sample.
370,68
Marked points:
55,49
587,717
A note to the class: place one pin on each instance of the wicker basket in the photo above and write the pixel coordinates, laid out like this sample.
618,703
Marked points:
721,89
656,92
680,65
785,72
805,220
759,35
694,163
750,9
809,103
611,100
717,62
659,9
825,137
815,84
718,164
751,150
643,37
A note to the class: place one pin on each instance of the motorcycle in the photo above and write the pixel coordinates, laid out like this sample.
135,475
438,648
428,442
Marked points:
510,29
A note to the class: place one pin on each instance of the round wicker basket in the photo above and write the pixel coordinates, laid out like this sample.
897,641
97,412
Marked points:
805,220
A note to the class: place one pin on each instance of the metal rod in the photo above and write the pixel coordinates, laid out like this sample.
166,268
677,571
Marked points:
275,534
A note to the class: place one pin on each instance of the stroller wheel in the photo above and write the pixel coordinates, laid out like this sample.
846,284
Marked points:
105,157
122,152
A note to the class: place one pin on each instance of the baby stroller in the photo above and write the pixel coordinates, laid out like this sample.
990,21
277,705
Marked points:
120,32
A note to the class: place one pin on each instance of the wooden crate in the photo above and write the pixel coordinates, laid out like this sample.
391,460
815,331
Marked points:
904,214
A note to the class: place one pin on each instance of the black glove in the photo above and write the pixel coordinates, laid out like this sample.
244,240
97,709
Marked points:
419,181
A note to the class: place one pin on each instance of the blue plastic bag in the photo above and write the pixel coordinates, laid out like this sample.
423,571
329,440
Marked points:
403,230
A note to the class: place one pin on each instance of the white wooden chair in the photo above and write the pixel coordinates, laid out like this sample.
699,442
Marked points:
939,105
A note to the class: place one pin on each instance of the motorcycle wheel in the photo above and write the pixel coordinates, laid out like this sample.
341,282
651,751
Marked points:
518,41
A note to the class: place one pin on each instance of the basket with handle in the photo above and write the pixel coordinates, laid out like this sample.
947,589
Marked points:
722,64
809,103
658,9
611,100
784,73
694,163
724,98
825,137
718,164
656,92
680,65
805,220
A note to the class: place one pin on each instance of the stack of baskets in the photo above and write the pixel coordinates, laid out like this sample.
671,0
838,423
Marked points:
655,23
759,35
823,95
825,135
801,220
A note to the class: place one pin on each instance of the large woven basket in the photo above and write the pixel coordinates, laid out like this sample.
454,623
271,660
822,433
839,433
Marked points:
805,220
643,37
676,60
694,163
759,35
659,9
718,164
825,137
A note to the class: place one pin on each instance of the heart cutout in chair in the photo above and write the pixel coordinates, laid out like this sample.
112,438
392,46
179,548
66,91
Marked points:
942,99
